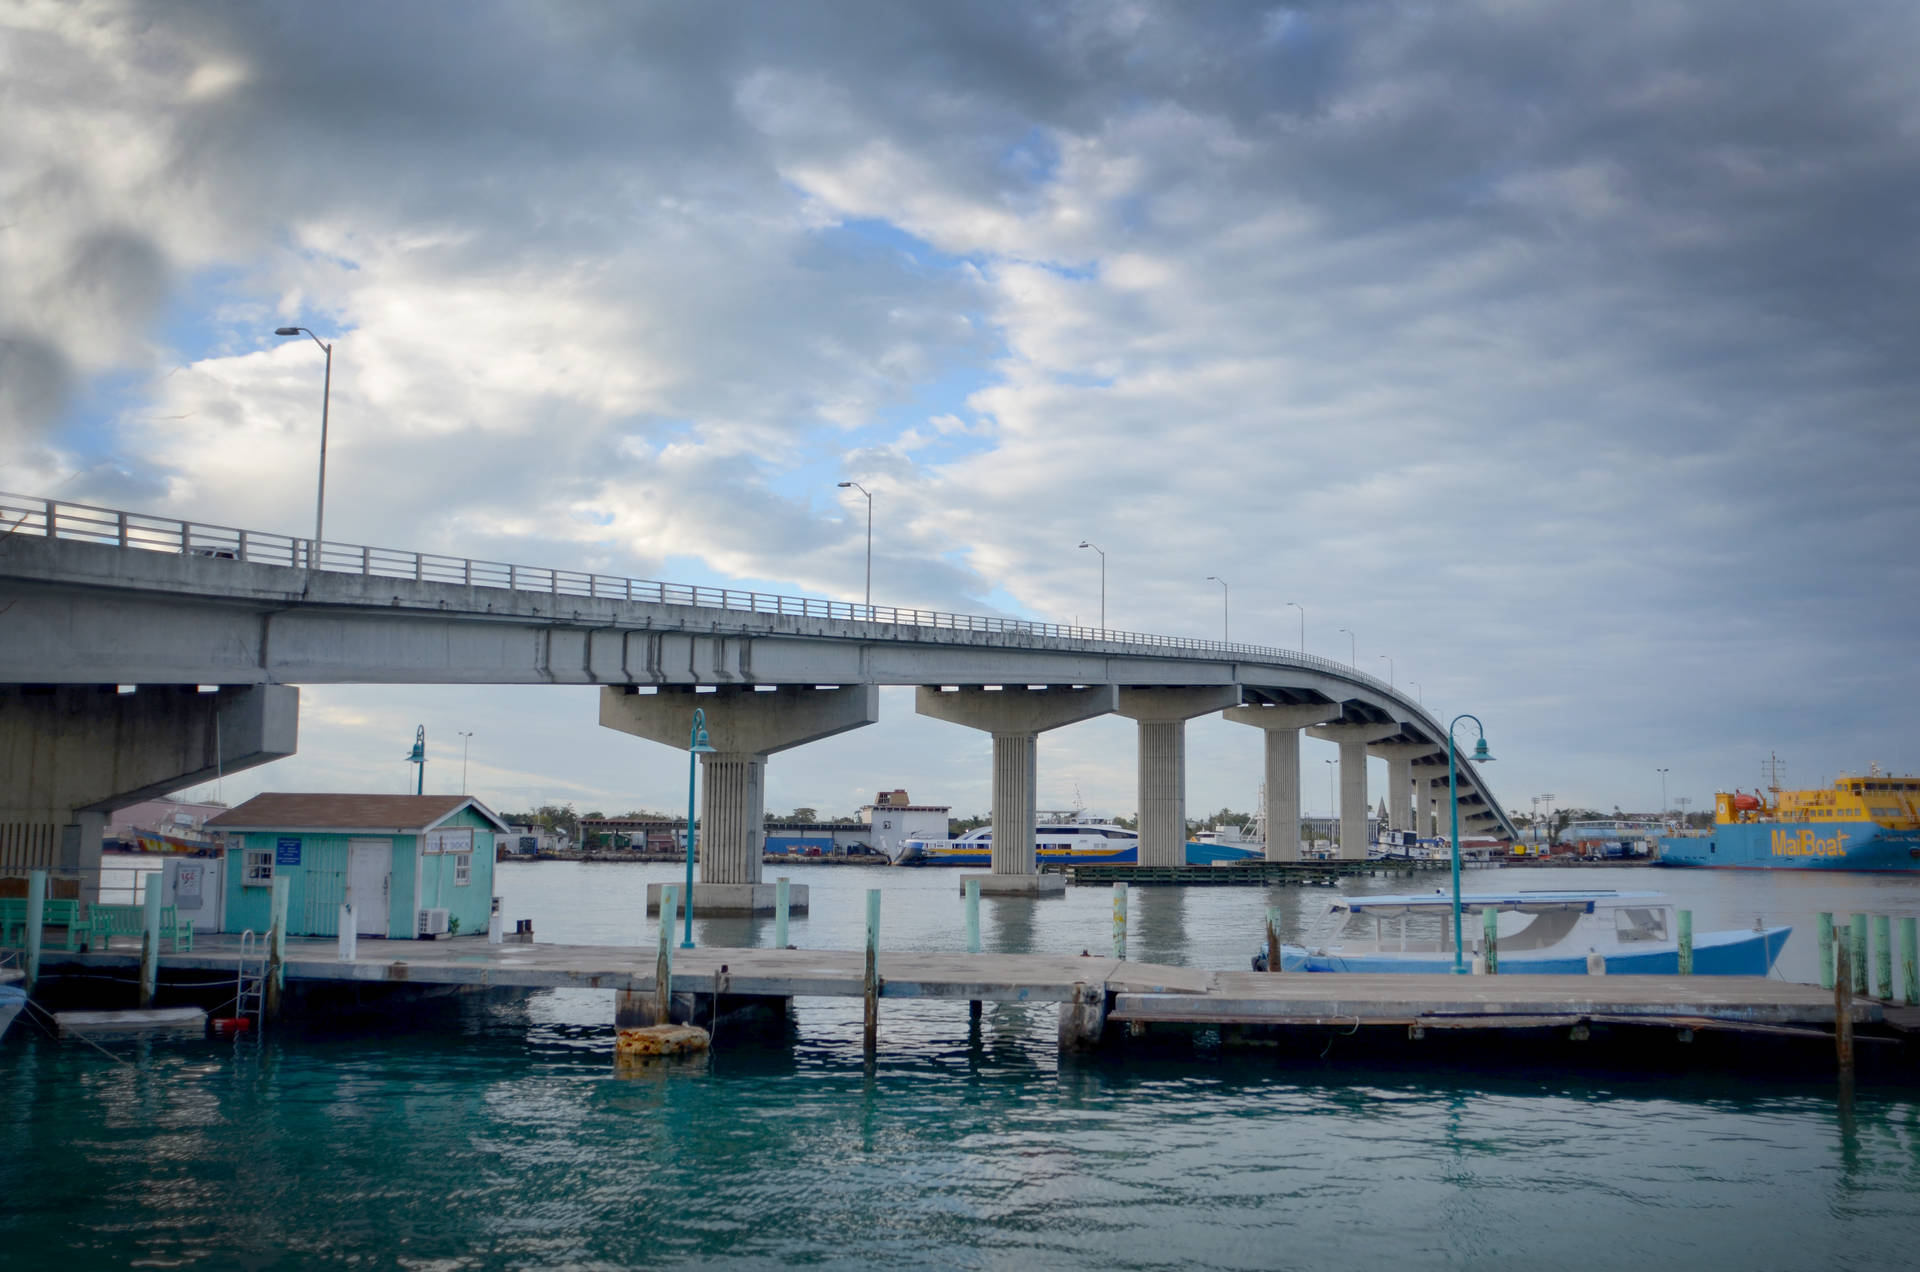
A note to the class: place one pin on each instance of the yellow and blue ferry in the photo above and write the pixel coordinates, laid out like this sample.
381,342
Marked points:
1860,823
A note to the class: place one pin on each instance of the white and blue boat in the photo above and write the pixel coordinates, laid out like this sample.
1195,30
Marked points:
1538,932
1065,842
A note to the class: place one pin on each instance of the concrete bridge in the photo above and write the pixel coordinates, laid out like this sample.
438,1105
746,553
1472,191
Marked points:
212,627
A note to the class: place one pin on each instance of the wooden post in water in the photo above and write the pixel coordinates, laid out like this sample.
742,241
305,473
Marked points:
1883,957
1857,930
1825,931
281,891
1273,938
36,921
663,961
973,916
1686,942
1120,921
780,899
871,986
1910,961
1490,939
1843,1005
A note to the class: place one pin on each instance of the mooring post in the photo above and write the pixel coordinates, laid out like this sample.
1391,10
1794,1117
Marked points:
1824,929
663,961
781,890
1273,938
871,987
1883,957
150,939
36,920
1686,942
1910,961
1120,921
1857,929
1843,1006
277,943
1596,964
973,916
349,936
1490,939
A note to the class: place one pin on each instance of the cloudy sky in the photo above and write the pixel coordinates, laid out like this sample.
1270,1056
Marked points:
1563,354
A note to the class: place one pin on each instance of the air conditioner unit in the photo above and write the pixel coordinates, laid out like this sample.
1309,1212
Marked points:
431,922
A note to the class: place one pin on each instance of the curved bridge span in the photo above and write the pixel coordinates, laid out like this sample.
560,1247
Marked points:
103,597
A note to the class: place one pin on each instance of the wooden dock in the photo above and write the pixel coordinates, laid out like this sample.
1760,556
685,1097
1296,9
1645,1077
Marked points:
1103,1001
1245,874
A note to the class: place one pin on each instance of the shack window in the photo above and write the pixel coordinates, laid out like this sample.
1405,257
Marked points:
257,870
1637,924
462,869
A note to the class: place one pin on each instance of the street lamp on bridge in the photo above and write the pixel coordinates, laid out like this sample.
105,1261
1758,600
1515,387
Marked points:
1088,543
326,396
1303,626
1389,658
1353,649
1224,636
869,494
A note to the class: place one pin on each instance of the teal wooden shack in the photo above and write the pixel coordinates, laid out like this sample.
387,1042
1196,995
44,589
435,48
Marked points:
410,865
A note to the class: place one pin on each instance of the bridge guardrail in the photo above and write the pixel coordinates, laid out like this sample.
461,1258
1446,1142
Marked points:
63,519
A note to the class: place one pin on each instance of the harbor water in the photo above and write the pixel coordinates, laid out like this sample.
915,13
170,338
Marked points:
499,1133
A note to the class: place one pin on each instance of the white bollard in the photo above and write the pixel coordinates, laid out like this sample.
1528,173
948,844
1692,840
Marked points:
349,935
1596,964
496,925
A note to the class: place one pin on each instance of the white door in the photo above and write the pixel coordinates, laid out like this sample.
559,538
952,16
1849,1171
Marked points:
369,880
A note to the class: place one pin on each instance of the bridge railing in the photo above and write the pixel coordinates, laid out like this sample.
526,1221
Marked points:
63,519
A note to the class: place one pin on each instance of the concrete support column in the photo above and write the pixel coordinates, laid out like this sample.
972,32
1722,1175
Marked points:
1353,740
72,754
1015,716
1282,811
1400,757
1162,714
744,726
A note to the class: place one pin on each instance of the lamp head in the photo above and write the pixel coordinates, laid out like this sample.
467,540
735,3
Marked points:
286,331
1480,753
1085,544
700,744
845,484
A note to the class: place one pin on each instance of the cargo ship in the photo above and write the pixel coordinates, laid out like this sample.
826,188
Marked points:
1860,823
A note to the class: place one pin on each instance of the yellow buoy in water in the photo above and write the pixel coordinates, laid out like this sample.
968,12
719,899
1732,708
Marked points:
661,1040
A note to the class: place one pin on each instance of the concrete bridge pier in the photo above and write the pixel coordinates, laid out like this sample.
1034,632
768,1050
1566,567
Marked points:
1016,715
744,726
1353,740
1282,725
72,754
1162,713
1400,757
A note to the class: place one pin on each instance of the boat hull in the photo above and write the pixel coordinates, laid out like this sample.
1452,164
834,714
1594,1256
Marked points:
1856,845
1748,953
1198,854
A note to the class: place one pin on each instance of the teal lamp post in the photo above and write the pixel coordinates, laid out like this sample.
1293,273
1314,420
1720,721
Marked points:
1453,793
697,746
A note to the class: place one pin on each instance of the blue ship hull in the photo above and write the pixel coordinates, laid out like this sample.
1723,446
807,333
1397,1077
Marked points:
1859,845
1714,954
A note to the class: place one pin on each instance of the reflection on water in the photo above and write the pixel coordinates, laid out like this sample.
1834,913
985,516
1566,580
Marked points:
508,1137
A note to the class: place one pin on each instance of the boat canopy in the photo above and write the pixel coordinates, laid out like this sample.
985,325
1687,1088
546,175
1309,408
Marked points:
1541,902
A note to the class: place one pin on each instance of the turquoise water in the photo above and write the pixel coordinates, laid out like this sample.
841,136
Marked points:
503,1136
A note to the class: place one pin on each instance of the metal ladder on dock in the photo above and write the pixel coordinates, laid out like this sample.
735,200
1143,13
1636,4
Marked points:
250,979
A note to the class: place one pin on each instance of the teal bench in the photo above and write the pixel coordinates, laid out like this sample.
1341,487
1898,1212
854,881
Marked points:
64,915
104,922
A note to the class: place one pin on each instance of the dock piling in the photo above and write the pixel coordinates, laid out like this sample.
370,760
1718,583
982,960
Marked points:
1490,940
1843,1004
1910,961
150,940
1686,942
870,988
348,936
36,922
1857,931
1825,936
1273,938
781,890
973,916
277,905
1120,921
1883,957
663,962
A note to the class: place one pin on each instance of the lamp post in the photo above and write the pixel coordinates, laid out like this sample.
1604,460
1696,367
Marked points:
1453,793
1389,658
326,396
1663,793
1088,543
697,746
869,494
1225,637
1419,696
1546,802
466,737
418,756
1303,626
1353,648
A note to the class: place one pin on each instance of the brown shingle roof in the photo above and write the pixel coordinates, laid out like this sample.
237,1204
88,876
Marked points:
384,813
